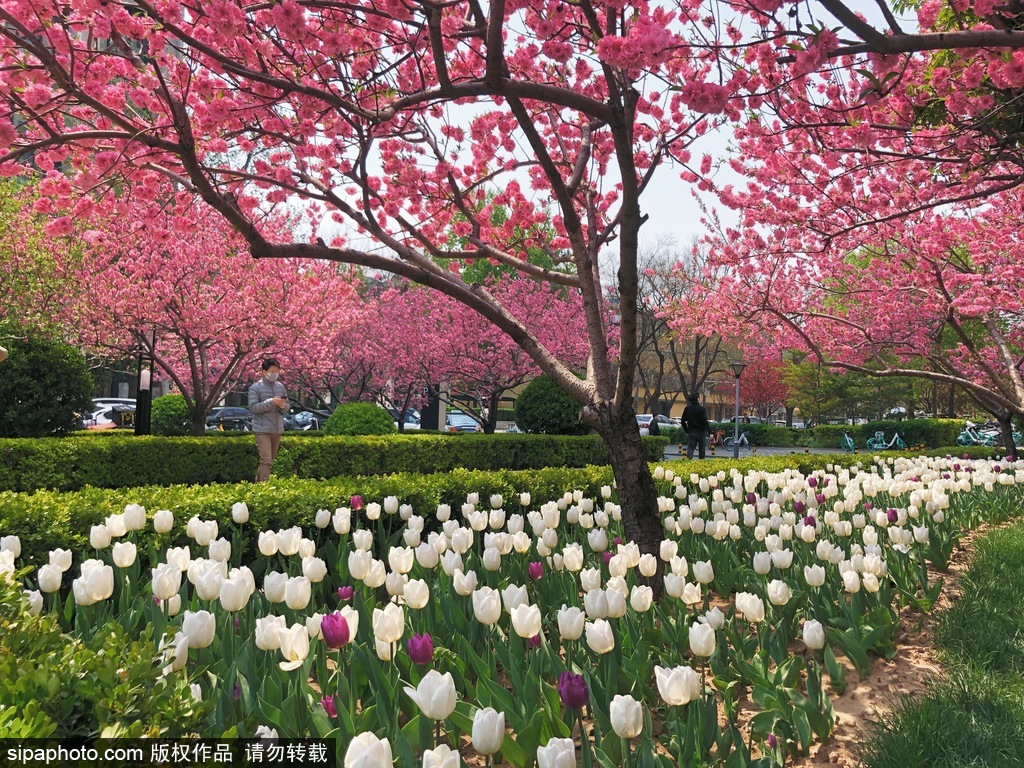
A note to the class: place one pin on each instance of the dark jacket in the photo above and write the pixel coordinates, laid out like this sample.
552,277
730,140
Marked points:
695,418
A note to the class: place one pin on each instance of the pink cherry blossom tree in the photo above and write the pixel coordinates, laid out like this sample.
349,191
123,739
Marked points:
173,281
408,121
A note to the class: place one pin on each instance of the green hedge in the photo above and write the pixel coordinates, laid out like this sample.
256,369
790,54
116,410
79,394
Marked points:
120,461
931,433
760,434
47,519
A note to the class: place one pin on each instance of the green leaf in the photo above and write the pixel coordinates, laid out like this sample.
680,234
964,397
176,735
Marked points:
836,671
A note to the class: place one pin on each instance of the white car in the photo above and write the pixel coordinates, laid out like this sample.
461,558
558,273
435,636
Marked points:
644,420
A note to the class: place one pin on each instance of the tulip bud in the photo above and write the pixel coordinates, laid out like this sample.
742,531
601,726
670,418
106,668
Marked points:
368,751
489,727
240,512
163,521
814,635
627,717
702,639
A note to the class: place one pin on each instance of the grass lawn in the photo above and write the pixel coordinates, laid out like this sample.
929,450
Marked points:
976,716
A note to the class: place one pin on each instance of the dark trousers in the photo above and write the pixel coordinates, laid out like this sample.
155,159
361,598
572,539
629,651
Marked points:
695,440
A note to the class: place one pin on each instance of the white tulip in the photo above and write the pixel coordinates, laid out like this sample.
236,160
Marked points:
600,636
50,577
166,581
268,632
526,620
123,554
163,521
200,628
297,592
267,543
294,646
435,696
368,751
465,583
487,605
314,569
488,730
702,639
627,716
99,537
134,517
416,594
240,512
678,686
814,635
557,753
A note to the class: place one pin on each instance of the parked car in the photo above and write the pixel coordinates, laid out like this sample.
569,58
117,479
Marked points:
110,416
306,419
229,418
457,421
644,420
411,420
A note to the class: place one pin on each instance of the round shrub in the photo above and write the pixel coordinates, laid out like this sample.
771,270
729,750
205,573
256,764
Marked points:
544,408
360,419
45,388
170,416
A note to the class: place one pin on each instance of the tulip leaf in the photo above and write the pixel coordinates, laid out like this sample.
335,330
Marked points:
531,737
803,729
853,650
836,671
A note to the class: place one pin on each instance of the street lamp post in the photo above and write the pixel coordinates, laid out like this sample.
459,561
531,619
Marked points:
737,370
144,395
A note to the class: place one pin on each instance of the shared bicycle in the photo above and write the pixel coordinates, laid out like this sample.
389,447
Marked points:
877,443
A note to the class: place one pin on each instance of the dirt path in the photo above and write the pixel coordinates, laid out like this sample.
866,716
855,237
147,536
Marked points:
908,673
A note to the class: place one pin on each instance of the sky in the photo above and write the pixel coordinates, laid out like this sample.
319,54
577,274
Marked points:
673,206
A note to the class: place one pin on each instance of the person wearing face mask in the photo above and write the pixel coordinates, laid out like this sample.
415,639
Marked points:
268,403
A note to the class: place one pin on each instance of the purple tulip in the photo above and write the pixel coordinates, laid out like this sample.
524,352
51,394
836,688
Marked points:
997,469
811,521
236,691
572,689
335,630
956,467
798,507
945,475
751,498
534,642
329,706
824,482
356,502
617,541
536,570
820,498
868,505
238,623
893,515
607,557
421,648
346,593
812,482
772,741
967,455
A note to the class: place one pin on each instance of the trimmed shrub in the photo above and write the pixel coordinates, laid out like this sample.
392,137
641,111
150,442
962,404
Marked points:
760,434
932,433
117,461
543,408
45,388
47,520
360,419
170,416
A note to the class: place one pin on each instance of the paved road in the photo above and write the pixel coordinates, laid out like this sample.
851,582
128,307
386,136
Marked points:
672,452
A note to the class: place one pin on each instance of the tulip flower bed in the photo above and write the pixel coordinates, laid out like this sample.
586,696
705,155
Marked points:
527,633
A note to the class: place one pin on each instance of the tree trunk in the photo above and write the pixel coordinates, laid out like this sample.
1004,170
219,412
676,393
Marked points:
634,482
198,422
1006,428
491,422
789,415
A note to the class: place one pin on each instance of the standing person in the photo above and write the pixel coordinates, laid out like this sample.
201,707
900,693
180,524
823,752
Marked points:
268,402
695,422
653,429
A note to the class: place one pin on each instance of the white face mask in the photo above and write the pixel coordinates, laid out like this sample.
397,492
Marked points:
272,376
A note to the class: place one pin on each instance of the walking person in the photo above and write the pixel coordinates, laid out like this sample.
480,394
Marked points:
695,422
268,403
